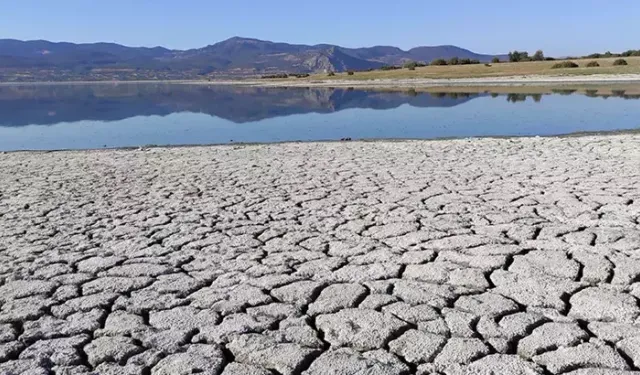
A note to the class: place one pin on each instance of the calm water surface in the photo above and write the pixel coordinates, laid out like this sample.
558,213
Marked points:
117,115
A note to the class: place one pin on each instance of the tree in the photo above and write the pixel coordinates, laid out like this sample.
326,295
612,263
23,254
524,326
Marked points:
495,60
454,61
517,56
538,56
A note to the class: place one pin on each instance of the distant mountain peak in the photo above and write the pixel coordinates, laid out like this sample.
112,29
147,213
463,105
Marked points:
240,39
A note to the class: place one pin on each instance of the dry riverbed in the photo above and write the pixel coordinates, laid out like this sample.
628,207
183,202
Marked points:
487,256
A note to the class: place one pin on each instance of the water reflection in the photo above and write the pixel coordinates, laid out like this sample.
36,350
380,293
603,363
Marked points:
120,115
48,105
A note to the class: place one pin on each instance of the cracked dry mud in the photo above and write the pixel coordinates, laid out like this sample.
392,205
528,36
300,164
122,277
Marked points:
515,256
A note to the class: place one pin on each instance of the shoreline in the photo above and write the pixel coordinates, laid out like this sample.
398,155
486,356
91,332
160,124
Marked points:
508,81
533,80
583,134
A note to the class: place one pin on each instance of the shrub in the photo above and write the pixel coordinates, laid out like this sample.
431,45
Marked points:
620,62
593,64
549,59
454,61
389,67
487,65
411,65
350,72
439,62
495,60
475,61
331,74
565,64
275,76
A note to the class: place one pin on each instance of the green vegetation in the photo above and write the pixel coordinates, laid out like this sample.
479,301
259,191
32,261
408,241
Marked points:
593,64
620,62
457,61
350,72
277,76
331,74
520,56
439,62
629,53
495,60
517,56
538,56
565,64
412,65
389,67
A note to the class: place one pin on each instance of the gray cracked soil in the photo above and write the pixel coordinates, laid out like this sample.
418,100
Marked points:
490,256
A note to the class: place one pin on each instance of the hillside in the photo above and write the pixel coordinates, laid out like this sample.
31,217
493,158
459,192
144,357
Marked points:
235,56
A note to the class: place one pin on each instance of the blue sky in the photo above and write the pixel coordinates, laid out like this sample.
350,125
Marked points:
559,27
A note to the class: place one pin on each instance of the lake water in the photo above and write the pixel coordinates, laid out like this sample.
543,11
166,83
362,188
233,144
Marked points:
119,115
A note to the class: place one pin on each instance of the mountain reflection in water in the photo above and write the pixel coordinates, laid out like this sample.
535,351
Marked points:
133,114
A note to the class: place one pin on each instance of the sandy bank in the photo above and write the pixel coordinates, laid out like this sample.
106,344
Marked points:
531,80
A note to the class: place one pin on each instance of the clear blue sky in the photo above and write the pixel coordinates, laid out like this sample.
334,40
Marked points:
559,27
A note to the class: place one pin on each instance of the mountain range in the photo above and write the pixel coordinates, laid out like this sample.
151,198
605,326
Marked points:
234,56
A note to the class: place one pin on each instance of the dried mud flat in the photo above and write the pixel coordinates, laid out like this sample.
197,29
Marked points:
512,256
